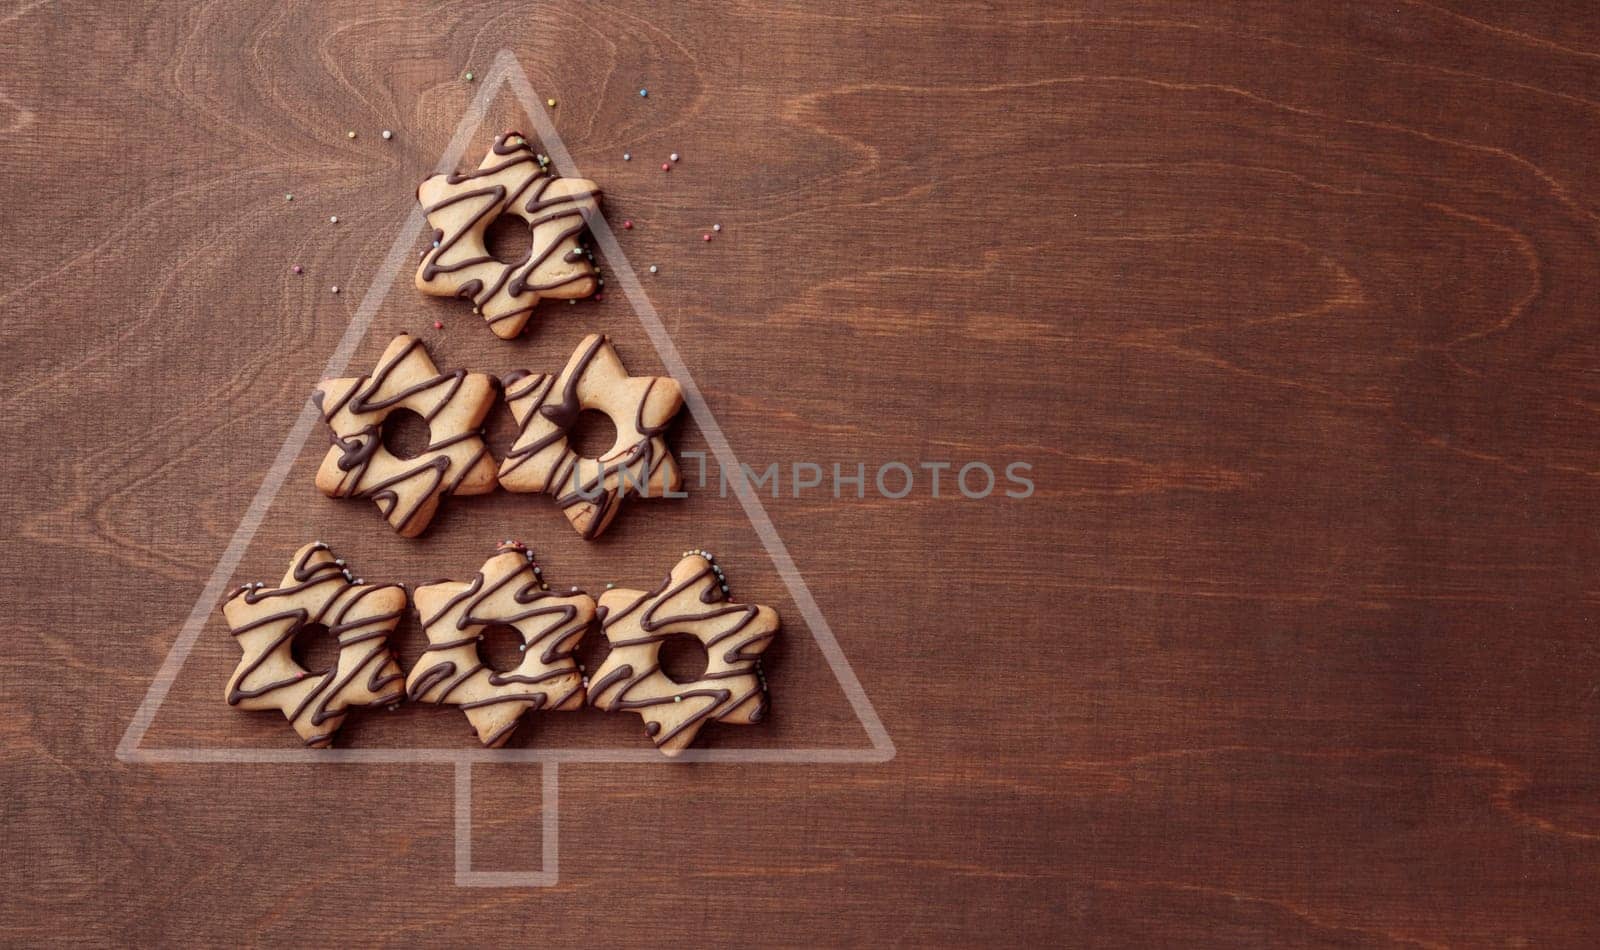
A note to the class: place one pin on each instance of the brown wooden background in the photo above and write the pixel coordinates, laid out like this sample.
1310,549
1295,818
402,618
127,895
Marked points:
1291,305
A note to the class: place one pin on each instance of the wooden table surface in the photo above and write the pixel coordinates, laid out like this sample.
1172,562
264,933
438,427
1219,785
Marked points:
1291,307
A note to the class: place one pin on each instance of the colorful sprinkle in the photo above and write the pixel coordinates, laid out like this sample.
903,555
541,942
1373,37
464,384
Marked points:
350,134
643,93
437,325
297,268
288,197
335,288
666,167
627,225
708,237
469,76
550,102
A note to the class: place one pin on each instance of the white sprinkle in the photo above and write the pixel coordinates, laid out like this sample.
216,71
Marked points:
716,227
388,134
652,268
333,219
335,288
673,156
627,156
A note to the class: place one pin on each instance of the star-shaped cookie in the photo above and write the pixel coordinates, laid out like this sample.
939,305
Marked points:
591,491
508,590
690,601
511,180
407,491
316,590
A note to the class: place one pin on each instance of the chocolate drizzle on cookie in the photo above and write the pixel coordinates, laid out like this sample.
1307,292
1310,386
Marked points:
512,180
316,590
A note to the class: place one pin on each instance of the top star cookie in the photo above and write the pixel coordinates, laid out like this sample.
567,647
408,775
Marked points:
511,180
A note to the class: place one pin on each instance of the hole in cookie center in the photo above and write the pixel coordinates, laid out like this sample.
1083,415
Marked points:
593,435
683,658
405,434
314,648
509,239
500,647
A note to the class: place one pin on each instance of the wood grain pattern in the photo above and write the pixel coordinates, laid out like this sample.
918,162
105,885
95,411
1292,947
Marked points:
1291,306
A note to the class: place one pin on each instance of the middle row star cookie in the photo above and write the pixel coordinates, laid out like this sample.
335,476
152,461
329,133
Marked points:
589,491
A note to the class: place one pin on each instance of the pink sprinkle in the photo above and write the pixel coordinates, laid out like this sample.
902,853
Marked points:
437,325
296,268
627,225
599,297
707,237
666,166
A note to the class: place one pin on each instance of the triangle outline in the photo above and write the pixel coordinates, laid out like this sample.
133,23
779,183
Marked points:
507,70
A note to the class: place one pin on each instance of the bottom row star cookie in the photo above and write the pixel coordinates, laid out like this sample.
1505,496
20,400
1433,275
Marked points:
316,590
509,589
452,671
692,600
